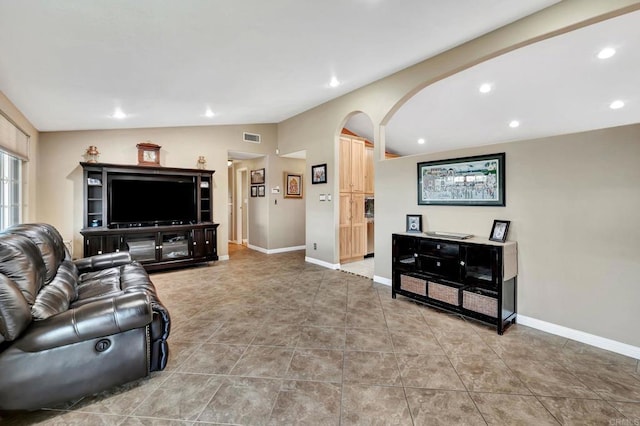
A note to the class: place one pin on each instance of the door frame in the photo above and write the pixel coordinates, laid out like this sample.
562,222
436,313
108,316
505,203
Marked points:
242,208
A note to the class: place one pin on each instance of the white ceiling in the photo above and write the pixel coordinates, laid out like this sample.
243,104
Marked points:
557,86
66,64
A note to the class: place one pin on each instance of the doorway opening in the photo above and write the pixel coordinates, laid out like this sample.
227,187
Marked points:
357,195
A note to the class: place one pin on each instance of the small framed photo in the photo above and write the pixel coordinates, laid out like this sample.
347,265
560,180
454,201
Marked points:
319,174
499,230
257,177
292,185
260,190
254,191
414,223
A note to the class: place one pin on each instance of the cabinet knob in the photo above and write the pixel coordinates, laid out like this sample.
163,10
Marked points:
438,246
438,264
462,263
195,243
99,251
206,242
415,254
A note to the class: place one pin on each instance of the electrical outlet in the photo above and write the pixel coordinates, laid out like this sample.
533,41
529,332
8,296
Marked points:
315,246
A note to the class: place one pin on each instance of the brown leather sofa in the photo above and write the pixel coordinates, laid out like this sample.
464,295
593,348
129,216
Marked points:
72,328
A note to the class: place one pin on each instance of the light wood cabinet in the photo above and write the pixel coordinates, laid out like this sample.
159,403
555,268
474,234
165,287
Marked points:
352,164
353,225
368,171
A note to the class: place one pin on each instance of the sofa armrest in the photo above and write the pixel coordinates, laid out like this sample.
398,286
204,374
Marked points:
102,261
101,318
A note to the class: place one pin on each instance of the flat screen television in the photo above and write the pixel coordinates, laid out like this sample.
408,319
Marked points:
135,200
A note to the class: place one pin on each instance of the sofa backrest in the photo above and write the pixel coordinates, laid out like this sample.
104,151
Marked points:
49,242
23,272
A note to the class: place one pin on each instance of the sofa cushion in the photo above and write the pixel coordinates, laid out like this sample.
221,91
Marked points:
98,284
14,310
58,294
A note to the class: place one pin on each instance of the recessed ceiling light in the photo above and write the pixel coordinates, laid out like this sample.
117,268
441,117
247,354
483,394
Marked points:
616,104
421,141
119,114
606,53
334,82
485,88
209,113
514,123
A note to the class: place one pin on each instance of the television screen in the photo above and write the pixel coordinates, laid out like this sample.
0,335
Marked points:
142,200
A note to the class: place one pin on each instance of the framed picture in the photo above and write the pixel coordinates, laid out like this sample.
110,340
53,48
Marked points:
292,185
257,176
414,223
260,190
499,230
254,191
469,181
319,174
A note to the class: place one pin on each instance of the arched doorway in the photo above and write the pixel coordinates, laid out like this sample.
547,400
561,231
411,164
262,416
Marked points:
356,200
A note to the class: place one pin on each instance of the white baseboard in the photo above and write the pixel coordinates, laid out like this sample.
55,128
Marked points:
382,280
274,251
322,263
286,249
581,336
223,257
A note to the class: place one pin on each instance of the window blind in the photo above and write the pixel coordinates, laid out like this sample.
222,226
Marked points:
13,139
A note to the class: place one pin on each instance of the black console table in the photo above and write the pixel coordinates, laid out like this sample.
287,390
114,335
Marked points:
156,244
475,277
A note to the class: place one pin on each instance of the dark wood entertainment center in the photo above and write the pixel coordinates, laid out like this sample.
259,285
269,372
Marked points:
157,244
473,277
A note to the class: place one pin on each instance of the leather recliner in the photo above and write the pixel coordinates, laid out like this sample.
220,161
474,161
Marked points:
72,328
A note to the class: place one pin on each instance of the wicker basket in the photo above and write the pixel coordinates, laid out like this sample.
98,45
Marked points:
480,303
444,293
413,284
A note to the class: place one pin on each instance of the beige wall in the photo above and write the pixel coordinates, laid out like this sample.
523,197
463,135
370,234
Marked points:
573,204
564,280
29,195
60,175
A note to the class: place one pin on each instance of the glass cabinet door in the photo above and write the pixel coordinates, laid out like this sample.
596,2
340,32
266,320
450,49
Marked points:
480,264
404,252
175,245
142,247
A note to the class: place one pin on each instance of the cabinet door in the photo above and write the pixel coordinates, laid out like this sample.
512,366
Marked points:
345,226
482,265
211,242
369,171
92,246
345,164
143,247
204,244
358,226
357,165
174,245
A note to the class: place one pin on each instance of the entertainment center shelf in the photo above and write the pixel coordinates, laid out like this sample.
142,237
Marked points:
162,216
474,277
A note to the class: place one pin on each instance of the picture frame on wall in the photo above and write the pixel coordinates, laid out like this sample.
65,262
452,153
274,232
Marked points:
257,177
292,185
414,223
318,174
467,181
499,230
261,191
254,191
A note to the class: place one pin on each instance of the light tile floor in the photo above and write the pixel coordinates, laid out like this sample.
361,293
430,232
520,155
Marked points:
272,340
364,268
